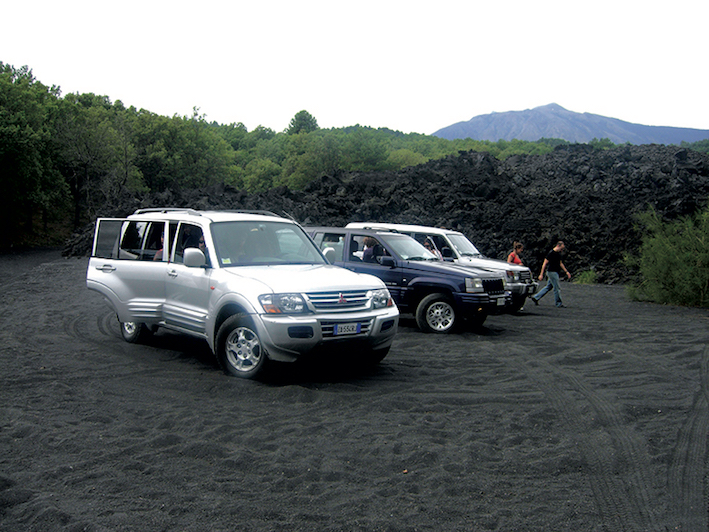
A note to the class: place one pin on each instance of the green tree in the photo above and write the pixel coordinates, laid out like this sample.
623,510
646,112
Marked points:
601,144
86,145
364,150
404,157
28,175
674,259
302,122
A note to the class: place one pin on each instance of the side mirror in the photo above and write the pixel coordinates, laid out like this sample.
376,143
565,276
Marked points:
387,260
446,252
194,258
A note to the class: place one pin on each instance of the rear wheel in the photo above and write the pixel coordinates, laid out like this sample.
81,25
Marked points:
435,313
239,349
134,332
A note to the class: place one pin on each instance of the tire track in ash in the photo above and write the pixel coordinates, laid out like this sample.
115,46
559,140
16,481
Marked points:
687,471
624,501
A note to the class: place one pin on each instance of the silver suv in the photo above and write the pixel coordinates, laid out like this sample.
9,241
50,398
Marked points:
252,284
455,246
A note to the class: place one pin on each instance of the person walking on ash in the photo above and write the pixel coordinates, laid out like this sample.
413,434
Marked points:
553,265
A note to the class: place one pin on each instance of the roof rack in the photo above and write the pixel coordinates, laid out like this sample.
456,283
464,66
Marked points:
249,211
201,213
375,227
168,209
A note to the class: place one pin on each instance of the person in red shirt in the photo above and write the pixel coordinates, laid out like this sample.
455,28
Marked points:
514,258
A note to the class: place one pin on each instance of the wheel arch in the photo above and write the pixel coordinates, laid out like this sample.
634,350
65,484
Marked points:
225,312
419,290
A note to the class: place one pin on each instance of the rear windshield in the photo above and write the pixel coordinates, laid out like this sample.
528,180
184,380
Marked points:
263,243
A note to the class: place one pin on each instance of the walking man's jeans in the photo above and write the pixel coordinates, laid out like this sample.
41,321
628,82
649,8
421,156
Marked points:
552,282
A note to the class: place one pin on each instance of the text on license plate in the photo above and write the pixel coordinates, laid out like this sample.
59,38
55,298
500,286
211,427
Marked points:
500,301
347,328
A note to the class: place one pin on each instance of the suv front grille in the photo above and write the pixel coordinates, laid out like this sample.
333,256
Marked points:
347,300
328,328
494,286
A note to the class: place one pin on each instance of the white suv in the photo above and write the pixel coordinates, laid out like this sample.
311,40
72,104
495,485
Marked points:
252,284
455,246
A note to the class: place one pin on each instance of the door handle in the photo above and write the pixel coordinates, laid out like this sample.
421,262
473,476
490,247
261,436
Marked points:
106,268
172,273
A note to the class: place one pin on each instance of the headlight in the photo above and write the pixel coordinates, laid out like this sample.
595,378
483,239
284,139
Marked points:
473,284
512,277
282,303
381,298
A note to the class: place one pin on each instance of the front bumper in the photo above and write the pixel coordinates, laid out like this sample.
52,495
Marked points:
522,289
470,304
287,337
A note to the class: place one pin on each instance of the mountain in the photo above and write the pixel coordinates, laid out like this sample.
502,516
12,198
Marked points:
554,122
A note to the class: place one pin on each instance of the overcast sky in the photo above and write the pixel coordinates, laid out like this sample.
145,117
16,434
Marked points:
412,66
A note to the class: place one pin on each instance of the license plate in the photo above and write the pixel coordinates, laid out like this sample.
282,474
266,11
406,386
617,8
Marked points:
347,328
500,301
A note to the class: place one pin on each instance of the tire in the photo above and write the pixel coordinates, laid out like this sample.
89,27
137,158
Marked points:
239,349
436,314
133,332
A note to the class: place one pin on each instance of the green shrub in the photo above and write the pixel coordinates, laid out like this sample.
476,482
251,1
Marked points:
587,277
673,260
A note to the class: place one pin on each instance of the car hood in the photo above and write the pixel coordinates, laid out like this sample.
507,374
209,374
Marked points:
490,264
302,278
450,268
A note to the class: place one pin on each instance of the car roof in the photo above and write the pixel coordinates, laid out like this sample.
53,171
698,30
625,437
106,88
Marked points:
401,227
365,231
196,216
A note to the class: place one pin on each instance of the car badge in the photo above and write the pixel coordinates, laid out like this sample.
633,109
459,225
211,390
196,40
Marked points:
342,299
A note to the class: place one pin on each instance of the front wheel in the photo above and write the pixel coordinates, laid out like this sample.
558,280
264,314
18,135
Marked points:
134,332
435,313
239,348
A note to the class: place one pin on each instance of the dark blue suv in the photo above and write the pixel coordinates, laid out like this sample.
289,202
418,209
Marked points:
437,293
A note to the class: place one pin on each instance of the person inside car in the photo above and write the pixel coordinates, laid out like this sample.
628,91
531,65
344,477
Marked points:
369,245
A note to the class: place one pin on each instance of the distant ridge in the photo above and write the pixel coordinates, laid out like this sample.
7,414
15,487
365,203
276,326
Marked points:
553,121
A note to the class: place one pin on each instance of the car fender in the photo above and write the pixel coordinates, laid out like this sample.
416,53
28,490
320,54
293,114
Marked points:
225,303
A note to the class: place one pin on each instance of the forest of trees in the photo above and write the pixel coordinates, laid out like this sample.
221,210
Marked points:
64,156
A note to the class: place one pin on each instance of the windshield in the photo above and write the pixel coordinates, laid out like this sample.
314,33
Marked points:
462,246
246,243
407,248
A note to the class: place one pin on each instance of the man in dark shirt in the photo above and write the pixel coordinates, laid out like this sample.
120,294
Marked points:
553,266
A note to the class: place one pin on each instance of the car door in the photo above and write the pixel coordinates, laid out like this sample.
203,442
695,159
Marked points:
123,268
187,289
392,276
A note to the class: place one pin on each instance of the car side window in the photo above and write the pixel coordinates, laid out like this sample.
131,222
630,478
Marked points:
154,242
369,248
108,237
331,241
188,236
132,240
420,237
